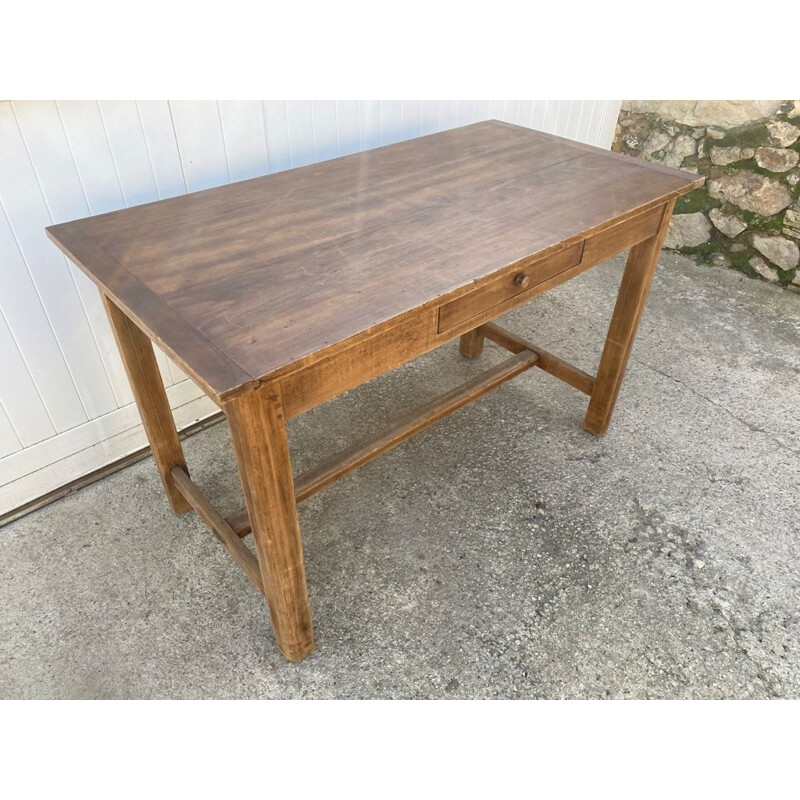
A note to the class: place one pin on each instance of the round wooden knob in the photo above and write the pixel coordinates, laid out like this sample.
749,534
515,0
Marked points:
522,279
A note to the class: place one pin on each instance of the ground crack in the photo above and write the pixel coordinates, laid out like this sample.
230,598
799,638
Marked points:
749,425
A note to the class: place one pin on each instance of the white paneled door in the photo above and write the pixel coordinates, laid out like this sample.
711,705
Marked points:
65,404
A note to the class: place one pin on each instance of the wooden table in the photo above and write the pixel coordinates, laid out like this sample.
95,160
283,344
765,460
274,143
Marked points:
279,293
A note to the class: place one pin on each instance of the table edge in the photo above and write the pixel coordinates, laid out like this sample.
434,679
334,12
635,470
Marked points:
649,166
113,279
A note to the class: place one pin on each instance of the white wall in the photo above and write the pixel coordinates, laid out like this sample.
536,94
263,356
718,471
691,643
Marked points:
65,405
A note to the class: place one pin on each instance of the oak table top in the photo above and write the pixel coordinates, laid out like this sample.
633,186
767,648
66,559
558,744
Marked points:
249,280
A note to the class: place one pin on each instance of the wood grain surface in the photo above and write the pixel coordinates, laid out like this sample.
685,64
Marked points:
249,280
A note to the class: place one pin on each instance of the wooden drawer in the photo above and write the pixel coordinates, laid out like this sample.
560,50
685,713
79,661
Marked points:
508,286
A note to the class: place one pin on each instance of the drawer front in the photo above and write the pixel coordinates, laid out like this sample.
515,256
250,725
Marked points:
508,286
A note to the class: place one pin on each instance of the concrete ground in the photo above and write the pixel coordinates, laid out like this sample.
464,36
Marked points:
503,553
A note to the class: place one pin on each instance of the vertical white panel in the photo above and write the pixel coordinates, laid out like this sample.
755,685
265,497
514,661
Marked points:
9,441
51,157
300,126
244,138
567,122
409,119
599,120
64,194
480,110
429,117
510,111
28,216
88,142
537,114
198,129
584,121
550,121
608,123
574,119
496,109
27,318
18,393
564,116
326,137
448,114
564,113
129,150
369,123
464,109
275,124
162,147
550,116
592,116
391,112
347,126
525,111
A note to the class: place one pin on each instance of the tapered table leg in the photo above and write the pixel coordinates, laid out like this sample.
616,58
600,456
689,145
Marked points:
470,344
141,366
258,431
636,280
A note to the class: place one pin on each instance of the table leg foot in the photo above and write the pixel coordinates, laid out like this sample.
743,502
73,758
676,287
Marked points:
636,280
258,431
470,344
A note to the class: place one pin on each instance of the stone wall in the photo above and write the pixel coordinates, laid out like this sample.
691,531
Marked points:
747,215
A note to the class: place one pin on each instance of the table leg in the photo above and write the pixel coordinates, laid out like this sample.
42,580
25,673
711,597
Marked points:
471,344
258,431
636,280
141,366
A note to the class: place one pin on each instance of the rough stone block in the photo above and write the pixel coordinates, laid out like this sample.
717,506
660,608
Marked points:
752,192
776,159
784,253
783,133
763,269
688,230
722,156
729,224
